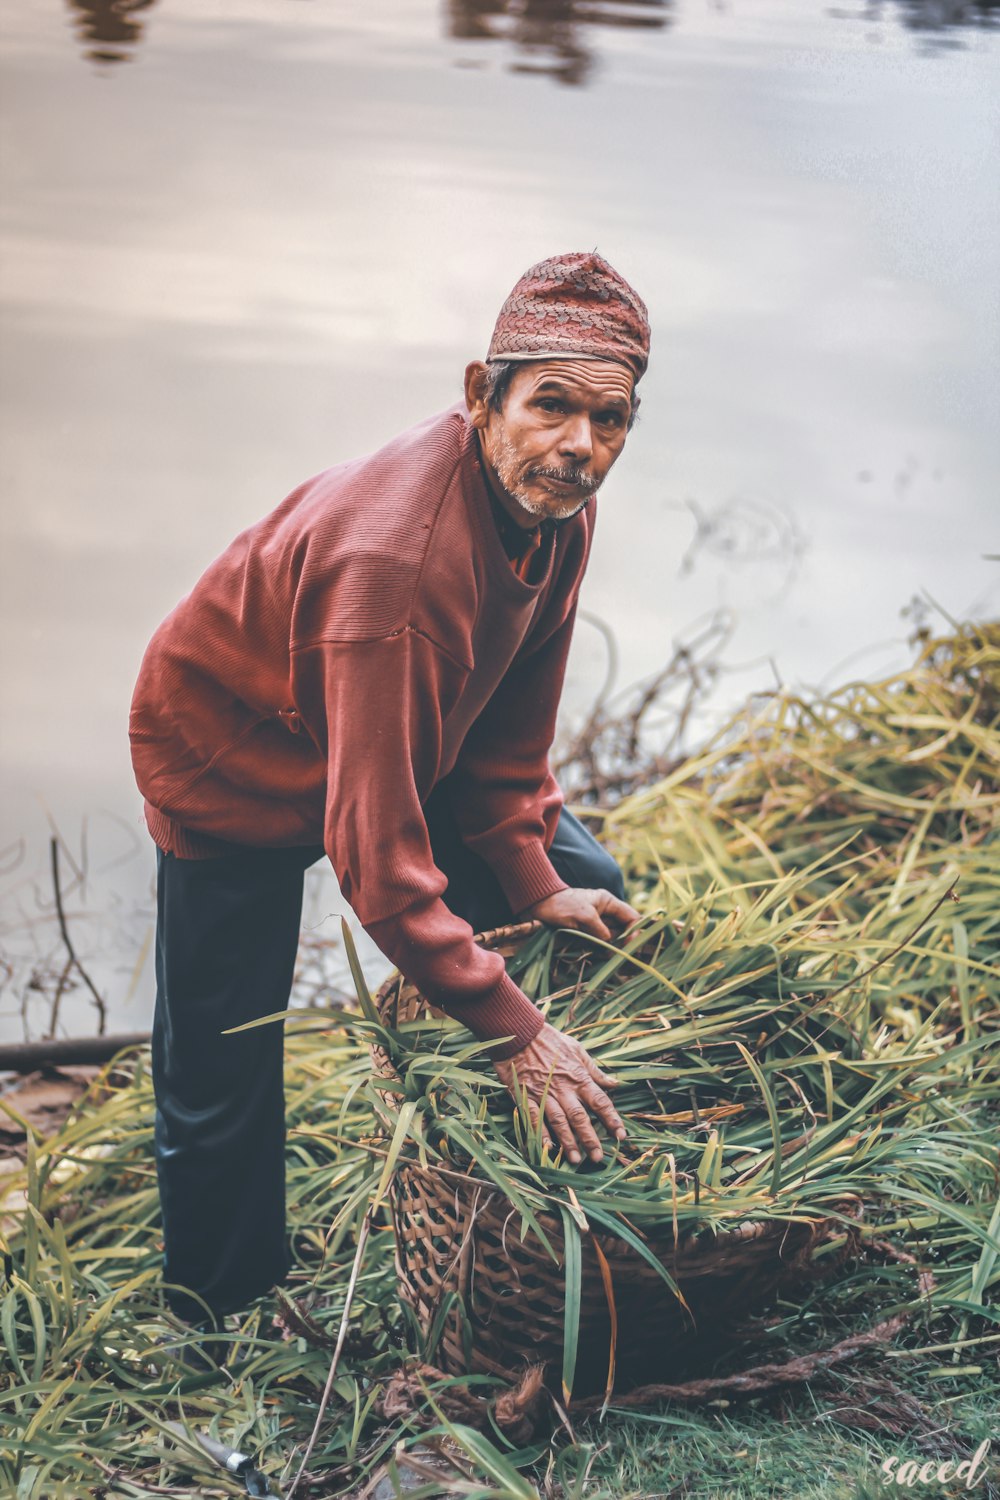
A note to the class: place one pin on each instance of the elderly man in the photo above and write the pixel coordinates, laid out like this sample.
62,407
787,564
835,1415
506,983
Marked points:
373,672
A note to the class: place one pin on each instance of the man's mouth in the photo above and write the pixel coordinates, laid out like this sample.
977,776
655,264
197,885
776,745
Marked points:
567,479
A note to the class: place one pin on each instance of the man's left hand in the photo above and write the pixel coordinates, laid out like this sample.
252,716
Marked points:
583,910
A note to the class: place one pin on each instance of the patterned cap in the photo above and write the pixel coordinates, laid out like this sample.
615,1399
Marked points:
573,306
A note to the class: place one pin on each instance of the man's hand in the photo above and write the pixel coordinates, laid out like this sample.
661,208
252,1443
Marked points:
582,910
577,1084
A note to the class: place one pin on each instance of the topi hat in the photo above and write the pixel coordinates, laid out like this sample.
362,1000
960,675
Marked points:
573,306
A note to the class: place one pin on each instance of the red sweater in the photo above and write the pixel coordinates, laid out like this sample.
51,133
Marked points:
341,657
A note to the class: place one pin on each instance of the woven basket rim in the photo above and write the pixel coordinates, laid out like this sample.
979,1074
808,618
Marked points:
743,1232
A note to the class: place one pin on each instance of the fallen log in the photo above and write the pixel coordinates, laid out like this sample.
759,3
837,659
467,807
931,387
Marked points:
26,1057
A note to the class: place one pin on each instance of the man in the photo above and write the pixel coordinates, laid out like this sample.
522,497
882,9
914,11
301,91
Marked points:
373,671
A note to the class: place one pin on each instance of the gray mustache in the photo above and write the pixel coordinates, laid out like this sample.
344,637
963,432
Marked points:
579,477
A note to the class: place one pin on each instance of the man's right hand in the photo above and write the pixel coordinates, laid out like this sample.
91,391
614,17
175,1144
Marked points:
576,1091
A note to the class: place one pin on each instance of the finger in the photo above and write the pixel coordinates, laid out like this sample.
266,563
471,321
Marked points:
581,1125
556,1116
599,1104
534,1115
590,921
620,911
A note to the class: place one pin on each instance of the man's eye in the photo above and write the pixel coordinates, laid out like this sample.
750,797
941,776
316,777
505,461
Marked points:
549,403
610,418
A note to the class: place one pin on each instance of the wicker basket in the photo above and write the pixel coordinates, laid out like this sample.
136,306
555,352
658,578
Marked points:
456,1234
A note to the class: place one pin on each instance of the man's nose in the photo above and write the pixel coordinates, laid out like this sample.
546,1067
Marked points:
576,441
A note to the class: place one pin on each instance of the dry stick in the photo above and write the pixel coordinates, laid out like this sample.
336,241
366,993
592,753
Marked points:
67,969
101,1009
366,1225
58,1052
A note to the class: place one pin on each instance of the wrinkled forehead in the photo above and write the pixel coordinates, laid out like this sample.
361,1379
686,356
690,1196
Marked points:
594,380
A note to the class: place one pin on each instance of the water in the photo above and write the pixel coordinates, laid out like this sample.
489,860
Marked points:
241,244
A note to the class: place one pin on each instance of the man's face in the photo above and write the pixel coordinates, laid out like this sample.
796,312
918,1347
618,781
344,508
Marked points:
563,424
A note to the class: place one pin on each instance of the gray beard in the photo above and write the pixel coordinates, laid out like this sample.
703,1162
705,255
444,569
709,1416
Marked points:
558,521
505,464
540,513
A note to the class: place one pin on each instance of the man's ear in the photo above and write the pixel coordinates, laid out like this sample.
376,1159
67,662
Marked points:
475,394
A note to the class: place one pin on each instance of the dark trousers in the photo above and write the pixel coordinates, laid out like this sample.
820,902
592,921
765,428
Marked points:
226,937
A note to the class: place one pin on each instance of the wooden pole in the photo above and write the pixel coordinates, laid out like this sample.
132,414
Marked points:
26,1057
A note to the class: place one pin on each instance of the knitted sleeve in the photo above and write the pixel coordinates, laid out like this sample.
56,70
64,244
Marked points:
375,708
505,799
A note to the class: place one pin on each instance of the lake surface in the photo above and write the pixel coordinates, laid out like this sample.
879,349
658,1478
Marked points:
241,243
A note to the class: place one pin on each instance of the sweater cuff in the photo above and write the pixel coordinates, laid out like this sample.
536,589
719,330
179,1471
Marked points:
504,1012
526,875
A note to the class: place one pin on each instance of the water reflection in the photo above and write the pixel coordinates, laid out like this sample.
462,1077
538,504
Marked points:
552,38
109,28
548,36
935,19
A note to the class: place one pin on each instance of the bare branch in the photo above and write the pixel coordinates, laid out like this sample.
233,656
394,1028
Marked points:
102,1017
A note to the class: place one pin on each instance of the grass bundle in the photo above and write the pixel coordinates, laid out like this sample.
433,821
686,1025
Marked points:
760,1084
